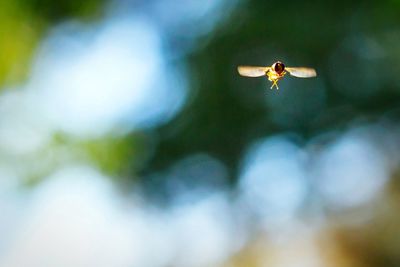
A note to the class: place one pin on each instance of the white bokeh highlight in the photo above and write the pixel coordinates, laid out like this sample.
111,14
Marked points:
351,171
273,179
105,77
76,218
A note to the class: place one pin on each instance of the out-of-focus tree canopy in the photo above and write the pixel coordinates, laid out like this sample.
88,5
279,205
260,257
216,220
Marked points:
145,96
350,44
23,23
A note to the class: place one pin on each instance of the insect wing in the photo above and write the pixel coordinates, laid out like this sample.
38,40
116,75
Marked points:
252,71
302,72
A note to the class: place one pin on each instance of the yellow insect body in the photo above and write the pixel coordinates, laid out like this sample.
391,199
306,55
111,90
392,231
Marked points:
274,77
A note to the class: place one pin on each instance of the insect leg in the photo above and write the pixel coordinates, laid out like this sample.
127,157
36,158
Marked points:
275,83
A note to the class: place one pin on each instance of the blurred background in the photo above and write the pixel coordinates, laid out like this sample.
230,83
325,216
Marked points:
127,138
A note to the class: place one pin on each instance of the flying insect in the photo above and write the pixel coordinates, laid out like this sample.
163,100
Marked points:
276,72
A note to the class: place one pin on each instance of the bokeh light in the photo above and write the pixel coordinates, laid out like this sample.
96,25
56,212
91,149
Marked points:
274,179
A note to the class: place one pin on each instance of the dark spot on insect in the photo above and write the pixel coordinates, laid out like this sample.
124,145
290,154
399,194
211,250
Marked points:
278,67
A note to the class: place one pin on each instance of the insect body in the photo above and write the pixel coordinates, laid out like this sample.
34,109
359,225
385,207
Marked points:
276,72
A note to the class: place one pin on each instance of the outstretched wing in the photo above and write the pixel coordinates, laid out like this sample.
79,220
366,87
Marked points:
252,71
302,72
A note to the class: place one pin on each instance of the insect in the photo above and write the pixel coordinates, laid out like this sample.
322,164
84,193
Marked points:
276,72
